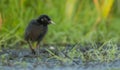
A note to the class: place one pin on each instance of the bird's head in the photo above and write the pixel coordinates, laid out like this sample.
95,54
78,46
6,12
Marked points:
45,20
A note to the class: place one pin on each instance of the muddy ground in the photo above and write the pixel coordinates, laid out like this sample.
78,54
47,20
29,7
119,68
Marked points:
22,59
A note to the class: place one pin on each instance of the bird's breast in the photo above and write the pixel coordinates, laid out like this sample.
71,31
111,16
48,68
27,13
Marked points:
38,32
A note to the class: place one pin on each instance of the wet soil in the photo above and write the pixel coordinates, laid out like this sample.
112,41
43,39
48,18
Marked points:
23,59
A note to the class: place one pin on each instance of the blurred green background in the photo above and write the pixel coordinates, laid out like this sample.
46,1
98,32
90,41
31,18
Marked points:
77,21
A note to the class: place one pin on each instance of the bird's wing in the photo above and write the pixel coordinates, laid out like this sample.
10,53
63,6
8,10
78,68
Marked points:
34,31
29,29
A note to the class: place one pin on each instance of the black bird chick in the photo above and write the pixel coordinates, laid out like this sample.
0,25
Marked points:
36,30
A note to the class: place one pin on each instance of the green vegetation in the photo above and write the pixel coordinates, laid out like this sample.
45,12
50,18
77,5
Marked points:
77,21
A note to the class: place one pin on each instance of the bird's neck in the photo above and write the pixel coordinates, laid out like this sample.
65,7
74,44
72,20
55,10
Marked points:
44,24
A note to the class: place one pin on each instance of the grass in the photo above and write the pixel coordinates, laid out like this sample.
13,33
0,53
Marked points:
93,52
76,27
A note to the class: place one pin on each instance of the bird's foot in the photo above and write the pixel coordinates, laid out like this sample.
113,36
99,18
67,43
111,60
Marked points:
33,51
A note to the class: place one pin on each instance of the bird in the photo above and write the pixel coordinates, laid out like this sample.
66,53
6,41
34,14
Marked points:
36,30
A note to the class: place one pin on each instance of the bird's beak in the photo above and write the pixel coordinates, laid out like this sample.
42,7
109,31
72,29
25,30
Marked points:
52,22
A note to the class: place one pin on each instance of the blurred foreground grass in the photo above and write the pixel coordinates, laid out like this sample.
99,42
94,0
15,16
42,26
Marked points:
77,21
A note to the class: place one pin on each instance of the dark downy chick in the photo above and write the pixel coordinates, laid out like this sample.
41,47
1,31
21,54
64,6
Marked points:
36,31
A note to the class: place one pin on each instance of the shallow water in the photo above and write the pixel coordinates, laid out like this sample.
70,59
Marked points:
31,66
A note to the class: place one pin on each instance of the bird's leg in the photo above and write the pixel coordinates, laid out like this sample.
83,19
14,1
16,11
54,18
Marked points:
38,47
30,45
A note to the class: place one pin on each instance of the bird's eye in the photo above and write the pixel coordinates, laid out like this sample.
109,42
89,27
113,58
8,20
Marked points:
42,19
45,19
